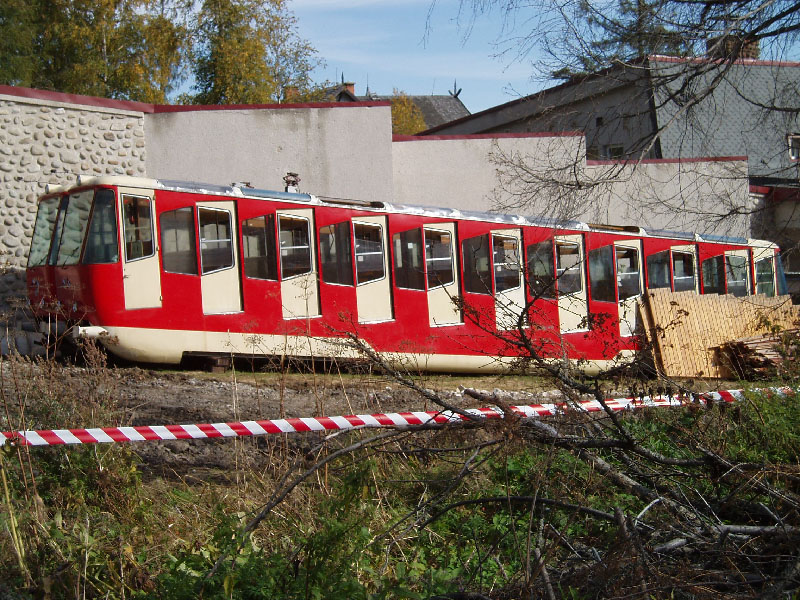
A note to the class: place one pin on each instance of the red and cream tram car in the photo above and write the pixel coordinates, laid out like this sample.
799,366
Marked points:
161,270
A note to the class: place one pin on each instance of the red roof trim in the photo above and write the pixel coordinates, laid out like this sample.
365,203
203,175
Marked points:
760,189
173,108
652,161
144,107
483,136
50,96
741,61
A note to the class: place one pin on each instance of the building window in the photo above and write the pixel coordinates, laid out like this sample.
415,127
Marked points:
794,147
614,151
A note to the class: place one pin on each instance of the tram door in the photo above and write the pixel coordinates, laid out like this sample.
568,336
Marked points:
629,283
373,288
509,296
220,280
442,275
737,272
764,260
573,310
141,279
299,287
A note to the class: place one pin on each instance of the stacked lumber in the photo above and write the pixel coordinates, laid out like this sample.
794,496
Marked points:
752,357
686,330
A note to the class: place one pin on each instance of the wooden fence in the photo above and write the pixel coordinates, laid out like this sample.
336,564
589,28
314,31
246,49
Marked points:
685,328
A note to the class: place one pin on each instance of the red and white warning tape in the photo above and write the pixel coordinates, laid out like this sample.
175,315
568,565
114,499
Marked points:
102,435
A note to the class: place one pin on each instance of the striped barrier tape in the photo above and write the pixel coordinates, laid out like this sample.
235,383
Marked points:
103,435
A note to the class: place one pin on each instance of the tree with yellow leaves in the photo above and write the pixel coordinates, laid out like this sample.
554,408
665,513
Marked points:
407,118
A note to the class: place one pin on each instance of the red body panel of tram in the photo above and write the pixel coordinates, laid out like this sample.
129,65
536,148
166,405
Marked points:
169,270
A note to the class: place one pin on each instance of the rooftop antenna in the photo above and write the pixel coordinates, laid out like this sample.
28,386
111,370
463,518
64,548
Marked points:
456,90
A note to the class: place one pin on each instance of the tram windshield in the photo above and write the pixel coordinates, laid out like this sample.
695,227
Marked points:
81,227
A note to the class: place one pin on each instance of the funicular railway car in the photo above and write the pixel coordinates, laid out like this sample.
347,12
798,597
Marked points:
162,270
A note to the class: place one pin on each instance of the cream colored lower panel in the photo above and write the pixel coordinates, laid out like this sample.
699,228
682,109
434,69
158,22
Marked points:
168,345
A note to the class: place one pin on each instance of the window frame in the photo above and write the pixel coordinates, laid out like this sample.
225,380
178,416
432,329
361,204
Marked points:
451,258
337,228
693,262
401,254
202,240
111,219
517,251
468,257
638,272
793,146
269,246
72,202
41,221
149,200
561,272
192,237
308,246
531,251
355,253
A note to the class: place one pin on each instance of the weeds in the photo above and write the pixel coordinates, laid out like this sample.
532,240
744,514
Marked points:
496,510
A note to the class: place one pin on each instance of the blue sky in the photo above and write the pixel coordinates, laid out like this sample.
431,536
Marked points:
415,46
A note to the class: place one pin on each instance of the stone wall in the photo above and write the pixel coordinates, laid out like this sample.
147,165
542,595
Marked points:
46,141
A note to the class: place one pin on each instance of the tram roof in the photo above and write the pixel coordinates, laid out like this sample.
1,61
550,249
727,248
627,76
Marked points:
244,191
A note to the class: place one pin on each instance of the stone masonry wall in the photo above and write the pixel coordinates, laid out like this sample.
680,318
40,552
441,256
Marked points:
42,142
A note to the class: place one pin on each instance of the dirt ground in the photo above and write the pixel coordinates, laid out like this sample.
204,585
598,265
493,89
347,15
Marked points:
166,397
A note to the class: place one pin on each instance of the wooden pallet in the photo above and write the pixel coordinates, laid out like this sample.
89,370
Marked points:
686,329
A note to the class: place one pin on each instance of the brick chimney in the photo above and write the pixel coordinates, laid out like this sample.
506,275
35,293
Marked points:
725,46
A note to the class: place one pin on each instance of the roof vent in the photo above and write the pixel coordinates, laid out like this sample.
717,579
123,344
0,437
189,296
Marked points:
292,180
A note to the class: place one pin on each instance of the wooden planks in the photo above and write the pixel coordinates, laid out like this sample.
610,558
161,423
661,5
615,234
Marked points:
685,328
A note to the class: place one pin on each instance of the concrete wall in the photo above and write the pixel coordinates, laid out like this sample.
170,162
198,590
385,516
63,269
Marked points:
465,172
548,176
50,141
703,196
343,151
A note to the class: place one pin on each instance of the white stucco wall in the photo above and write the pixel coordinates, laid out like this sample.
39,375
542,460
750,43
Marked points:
703,196
465,172
342,151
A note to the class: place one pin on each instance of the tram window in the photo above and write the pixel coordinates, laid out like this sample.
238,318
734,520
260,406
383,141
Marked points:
76,220
335,254
683,271
216,242
658,270
137,225
477,271
408,271
601,274
765,277
439,258
58,229
43,232
369,252
258,248
714,275
628,280
736,274
568,268
295,239
506,262
101,243
540,270
178,250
